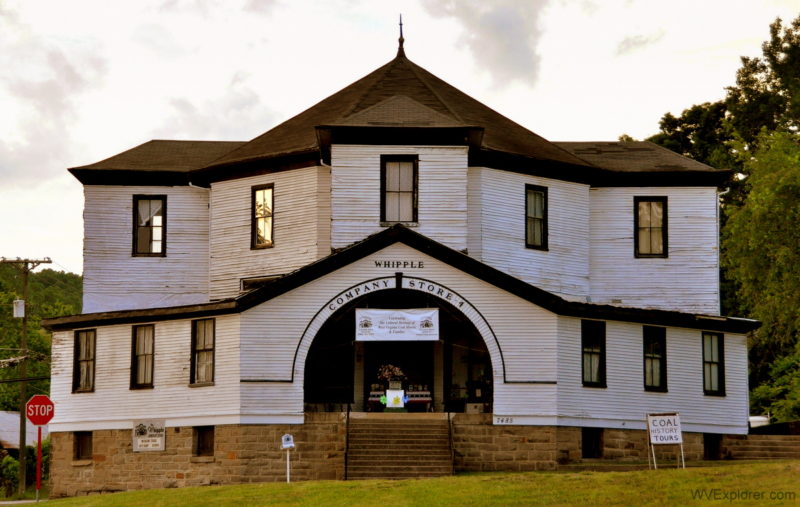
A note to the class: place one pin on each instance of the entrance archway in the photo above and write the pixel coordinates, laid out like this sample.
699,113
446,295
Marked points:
457,370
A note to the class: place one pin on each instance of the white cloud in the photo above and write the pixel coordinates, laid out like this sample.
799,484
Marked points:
502,35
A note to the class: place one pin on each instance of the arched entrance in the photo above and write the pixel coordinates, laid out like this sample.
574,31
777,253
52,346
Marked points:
456,371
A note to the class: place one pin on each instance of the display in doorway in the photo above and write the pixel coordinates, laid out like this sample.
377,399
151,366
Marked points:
390,372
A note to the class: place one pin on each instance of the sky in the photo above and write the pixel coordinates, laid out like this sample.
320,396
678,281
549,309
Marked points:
83,80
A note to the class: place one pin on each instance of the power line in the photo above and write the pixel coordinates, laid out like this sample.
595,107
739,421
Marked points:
25,266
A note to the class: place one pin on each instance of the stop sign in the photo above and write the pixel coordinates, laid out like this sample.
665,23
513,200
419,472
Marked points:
39,409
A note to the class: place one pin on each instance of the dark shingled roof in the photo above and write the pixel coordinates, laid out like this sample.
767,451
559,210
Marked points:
400,102
633,156
399,78
158,155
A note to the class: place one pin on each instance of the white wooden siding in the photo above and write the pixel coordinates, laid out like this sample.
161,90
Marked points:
301,227
687,280
624,402
500,195
113,279
526,335
442,198
114,405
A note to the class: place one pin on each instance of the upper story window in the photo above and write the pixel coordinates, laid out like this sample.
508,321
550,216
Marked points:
83,364
399,188
150,225
202,367
655,358
713,364
536,217
593,346
262,212
650,226
142,356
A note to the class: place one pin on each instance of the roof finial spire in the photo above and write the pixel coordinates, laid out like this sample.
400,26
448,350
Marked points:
401,40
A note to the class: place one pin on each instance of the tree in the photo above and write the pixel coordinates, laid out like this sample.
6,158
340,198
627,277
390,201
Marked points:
761,251
52,294
766,96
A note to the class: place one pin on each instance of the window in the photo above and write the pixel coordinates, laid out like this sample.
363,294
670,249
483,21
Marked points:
650,227
655,358
536,217
83,445
593,344
591,443
202,369
262,212
142,357
149,225
83,366
713,364
203,441
399,188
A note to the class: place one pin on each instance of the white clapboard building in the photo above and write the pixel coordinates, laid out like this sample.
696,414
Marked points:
566,287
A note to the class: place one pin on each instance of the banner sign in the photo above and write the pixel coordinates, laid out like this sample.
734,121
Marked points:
149,435
415,324
664,428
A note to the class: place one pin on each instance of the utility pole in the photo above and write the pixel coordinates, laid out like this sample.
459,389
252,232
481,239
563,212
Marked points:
25,266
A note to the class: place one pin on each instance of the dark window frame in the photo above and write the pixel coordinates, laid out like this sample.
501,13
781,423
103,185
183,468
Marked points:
720,363
76,361
254,245
82,446
544,218
658,335
194,353
415,187
203,440
135,223
593,330
664,227
135,358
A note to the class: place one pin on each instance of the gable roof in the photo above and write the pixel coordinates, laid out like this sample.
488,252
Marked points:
401,234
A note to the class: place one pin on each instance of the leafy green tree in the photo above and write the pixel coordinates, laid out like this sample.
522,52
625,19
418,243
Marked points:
780,396
52,294
761,250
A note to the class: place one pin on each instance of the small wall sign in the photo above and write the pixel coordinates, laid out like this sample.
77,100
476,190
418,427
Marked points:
149,435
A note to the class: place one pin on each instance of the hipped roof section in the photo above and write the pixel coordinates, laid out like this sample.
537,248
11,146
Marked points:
401,234
400,103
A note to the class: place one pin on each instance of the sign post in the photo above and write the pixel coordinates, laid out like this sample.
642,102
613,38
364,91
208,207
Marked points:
39,410
287,442
664,429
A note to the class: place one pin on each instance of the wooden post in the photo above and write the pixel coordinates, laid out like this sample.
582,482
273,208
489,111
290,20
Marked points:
25,266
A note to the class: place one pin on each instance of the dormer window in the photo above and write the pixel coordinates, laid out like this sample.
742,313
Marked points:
261,235
149,225
399,188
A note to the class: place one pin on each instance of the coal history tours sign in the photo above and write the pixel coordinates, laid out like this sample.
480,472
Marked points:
414,324
664,428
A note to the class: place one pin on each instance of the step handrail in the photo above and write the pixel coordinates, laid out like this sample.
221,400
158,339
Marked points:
452,448
346,438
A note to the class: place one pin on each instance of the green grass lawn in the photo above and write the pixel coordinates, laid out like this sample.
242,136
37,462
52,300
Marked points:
778,483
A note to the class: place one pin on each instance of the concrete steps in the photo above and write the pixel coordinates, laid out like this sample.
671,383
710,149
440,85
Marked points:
764,447
399,447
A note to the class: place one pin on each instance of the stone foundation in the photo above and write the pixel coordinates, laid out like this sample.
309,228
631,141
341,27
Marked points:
242,453
251,453
481,446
